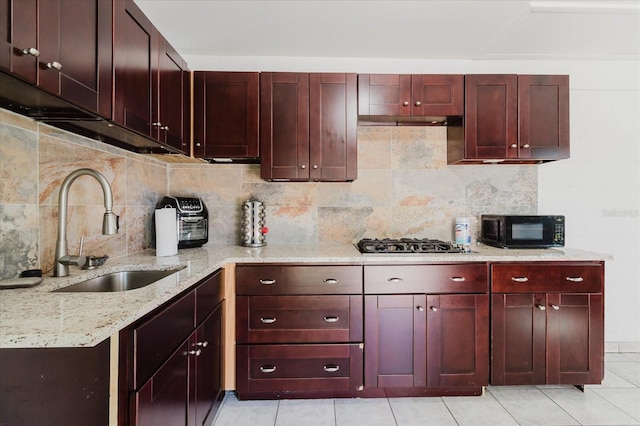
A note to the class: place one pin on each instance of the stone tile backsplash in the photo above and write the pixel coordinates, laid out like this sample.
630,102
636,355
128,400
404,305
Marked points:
404,189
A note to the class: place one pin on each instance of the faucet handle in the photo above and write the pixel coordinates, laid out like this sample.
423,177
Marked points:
93,262
73,260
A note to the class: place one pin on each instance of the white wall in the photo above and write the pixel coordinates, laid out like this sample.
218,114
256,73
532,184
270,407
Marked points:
598,188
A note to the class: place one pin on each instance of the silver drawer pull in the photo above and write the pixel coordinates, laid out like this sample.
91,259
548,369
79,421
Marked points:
555,307
520,279
541,307
196,352
202,344
331,368
330,281
575,279
267,282
267,368
458,279
433,308
395,280
420,308
268,320
331,319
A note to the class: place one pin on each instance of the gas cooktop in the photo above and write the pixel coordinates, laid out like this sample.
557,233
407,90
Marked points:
406,246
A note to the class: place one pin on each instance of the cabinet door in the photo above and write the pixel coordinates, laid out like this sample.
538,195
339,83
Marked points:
171,112
284,126
518,328
18,37
206,375
457,340
543,108
163,400
226,114
575,336
491,116
333,127
437,95
75,51
135,41
384,94
395,341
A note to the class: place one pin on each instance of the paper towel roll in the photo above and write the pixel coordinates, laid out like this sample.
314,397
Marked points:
166,232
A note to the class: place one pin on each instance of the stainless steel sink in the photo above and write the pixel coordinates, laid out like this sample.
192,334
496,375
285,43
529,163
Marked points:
118,281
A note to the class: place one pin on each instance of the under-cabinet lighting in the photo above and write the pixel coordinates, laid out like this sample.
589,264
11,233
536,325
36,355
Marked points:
600,7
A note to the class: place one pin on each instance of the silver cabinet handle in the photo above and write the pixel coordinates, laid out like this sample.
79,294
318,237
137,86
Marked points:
267,282
330,281
331,319
458,279
418,103
315,166
331,368
156,124
555,307
525,146
303,166
575,279
164,128
54,66
203,344
405,103
541,307
395,280
433,308
513,145
520,279
267,368
197,352
420,308
268,320
198,144
31,51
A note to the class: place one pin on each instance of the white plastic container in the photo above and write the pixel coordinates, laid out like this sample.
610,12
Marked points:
463,232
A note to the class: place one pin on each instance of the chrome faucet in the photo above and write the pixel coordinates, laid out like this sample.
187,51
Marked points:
109,223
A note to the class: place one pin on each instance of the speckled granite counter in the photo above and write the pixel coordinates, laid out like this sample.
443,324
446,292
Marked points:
36,317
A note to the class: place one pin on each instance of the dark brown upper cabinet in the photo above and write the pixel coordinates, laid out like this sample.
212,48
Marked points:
151,80
226,114
172,103
512,119
308,126
62,46
410,98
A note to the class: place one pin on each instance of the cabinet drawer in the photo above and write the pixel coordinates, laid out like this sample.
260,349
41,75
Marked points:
450,278
547,277
157,338
298,279
298,319
298,368
208,295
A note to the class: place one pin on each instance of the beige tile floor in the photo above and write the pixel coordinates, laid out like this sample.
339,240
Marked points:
615,402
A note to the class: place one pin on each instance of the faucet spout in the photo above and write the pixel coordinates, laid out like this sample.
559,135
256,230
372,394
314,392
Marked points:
110,223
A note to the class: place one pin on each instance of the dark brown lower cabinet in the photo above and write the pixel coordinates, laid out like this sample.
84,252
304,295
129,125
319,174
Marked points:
547,324
55,386
417,342
183,344
547,338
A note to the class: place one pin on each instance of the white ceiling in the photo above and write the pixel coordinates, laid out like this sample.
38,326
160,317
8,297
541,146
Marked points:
419,29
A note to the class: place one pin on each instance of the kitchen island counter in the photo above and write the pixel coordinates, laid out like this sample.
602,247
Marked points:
37,318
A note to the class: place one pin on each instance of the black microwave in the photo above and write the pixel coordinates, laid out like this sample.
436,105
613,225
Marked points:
509,231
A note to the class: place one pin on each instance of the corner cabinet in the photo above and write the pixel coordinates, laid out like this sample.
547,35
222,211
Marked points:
226,114
547,323
512,118
426,329
298,331
308,126
152,83
173,370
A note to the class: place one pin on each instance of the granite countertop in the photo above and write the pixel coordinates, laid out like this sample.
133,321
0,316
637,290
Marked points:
36,317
